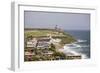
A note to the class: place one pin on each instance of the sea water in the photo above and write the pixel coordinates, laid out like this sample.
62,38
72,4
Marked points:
82,45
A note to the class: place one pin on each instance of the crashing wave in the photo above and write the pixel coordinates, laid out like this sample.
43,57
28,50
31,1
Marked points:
79,40
69,48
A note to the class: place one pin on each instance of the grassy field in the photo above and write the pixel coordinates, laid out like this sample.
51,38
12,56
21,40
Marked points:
36,33
65,37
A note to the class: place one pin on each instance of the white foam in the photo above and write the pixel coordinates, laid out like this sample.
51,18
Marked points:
84,56
79,40
80,45
68,50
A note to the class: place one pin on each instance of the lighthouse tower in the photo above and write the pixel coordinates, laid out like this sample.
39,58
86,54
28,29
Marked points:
56,27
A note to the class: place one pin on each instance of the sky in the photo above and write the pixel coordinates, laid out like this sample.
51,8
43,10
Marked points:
66,21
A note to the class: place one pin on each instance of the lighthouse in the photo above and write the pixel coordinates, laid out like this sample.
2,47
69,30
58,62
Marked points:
56,27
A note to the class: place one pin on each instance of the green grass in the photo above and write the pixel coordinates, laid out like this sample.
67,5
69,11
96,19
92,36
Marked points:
65,37
37,33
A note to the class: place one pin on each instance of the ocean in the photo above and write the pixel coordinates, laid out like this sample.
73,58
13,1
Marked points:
82,45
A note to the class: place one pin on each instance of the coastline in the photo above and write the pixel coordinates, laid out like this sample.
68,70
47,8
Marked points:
67,46
69,52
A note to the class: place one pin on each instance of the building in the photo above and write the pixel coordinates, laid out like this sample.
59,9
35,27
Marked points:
39,43
32,43
48,53
55,40
43,43
29,53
